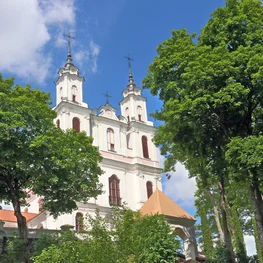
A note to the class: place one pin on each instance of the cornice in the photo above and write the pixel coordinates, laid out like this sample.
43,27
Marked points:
72,106
71,75
109,121
132,95
141,126
153,166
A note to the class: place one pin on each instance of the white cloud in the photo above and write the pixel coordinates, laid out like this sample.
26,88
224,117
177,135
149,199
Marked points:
60,39
179,187
80,56
95,50
251,246
58,11
88,55
24,33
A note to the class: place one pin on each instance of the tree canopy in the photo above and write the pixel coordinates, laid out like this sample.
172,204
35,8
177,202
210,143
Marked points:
126,237
61,166
211,88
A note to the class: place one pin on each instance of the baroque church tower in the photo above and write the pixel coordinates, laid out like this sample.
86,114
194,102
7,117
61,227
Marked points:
130,160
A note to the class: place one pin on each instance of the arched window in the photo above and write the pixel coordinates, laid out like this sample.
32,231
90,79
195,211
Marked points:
40,205
74,93
61,92
110,139
58,123
76,124
145,147
127,114
139,111
79,222
149,188
114,189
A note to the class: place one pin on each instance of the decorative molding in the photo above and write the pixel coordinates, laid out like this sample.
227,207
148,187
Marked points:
140,175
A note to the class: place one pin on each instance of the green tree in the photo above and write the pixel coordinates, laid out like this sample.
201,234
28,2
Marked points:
212,93
259,257
207,241
145,238
238,236
61,166
127,237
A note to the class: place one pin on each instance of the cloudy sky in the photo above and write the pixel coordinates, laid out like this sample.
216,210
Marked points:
33,48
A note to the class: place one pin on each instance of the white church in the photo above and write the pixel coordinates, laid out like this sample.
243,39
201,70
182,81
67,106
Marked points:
130,162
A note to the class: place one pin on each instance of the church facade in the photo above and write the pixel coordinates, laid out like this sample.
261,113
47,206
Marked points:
132,175
130,160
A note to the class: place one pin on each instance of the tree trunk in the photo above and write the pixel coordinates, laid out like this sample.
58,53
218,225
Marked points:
258,206
259,254
22,228
217,219
208,247
239,243
228,241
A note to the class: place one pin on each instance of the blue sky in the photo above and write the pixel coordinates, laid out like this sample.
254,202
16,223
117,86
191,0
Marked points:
33,48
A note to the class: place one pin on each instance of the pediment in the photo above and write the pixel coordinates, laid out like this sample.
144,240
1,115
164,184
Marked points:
108,111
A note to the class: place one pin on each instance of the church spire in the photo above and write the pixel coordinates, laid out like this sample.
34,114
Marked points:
131,85
69,56
107,96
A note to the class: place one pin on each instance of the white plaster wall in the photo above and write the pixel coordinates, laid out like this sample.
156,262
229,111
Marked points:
33,206
66,82
132,186
137,144
132,103
66,119
123,162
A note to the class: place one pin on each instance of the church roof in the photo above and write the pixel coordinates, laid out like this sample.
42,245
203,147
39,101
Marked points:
159,203
8,216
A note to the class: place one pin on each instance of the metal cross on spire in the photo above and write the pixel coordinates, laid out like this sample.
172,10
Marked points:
107,96
129,62
69,57
69,36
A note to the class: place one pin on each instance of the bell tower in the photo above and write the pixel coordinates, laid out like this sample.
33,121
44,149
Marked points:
69,83
133,105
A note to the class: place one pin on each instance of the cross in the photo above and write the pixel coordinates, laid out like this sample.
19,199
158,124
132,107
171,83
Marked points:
129,61
107,96
69,36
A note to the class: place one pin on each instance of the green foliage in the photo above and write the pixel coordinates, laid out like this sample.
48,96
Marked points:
60,165
259,257
14,251
44,241
133,239
221,255
147,239
239,242
244,155
205,227
212,101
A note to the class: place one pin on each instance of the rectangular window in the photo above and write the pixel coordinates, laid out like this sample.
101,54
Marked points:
74,98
